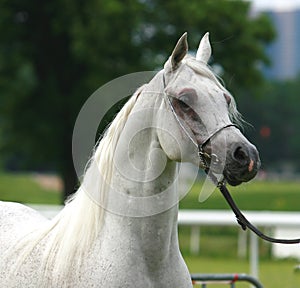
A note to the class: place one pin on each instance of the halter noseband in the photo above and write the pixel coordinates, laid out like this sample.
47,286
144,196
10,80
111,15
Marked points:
213,157
241,219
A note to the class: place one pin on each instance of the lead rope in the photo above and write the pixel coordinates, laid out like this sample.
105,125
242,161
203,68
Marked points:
241,219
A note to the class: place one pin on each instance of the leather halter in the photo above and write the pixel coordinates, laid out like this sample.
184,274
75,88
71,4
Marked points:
241,219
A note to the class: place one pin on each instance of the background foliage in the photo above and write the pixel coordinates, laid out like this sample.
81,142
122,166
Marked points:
275,116
55,53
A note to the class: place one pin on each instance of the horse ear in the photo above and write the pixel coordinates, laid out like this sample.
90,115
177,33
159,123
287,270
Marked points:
204,50
179,51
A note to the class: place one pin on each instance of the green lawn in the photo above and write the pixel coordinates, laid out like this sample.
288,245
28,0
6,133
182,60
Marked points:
218,254
22,188
273,274
256,195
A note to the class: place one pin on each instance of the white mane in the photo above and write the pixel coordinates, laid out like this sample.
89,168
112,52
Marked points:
73,231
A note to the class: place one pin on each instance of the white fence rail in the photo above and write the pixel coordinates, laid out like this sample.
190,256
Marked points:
282,224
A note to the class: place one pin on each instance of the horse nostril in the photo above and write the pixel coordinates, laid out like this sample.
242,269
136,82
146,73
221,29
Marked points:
240,155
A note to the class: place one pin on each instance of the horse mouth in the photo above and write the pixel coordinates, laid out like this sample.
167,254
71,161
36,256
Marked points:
231,180
235,180
232,175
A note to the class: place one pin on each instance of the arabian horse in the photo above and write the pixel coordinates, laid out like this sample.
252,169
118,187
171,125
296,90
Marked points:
120,228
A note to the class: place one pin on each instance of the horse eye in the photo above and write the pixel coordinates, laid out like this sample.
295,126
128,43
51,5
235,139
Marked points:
183,103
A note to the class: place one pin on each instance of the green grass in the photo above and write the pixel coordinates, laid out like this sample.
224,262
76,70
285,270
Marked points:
273,274
256,195
22,188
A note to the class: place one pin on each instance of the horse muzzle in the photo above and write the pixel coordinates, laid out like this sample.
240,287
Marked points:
242,163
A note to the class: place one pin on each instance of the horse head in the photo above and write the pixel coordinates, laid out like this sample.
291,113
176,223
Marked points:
205,118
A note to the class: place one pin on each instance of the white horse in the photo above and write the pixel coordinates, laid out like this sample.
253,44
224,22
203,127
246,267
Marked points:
119,229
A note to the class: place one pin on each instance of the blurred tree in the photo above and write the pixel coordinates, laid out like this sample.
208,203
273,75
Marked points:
238,39
55,53
277,124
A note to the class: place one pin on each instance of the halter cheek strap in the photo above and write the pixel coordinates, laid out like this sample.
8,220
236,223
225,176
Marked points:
241,219
213,158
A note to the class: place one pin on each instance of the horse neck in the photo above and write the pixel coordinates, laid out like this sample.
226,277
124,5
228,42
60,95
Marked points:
142,202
